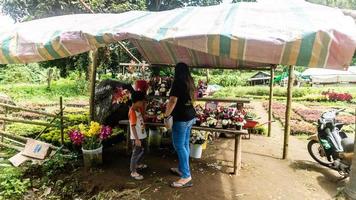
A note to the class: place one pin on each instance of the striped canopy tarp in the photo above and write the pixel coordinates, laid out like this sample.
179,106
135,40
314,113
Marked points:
231,36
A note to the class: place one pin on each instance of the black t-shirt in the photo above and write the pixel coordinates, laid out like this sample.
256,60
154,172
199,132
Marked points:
184,109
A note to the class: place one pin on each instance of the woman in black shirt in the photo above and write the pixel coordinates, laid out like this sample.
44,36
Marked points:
180,107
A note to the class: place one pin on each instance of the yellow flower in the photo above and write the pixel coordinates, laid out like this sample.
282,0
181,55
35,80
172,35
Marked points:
83,129
94,129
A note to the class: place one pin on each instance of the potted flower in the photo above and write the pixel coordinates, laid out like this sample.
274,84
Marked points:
212,121
226,123
197,139
239,121
91,138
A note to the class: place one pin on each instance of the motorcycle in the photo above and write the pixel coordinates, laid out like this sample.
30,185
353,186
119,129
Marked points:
331,147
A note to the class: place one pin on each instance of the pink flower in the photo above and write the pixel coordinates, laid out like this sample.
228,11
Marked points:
105,132
76,137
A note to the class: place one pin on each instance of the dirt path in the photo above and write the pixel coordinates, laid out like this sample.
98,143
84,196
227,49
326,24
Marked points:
263,176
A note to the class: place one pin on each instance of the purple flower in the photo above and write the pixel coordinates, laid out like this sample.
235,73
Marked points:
105,132
76,137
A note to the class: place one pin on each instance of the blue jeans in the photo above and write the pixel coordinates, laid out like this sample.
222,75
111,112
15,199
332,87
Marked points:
180,138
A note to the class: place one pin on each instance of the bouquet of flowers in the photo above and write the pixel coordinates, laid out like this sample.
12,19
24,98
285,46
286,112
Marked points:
90,137
159,86
239,120
121,96
198,137
155,111
200,115
212,121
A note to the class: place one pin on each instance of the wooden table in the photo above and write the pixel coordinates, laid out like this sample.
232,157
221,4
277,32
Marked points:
238,134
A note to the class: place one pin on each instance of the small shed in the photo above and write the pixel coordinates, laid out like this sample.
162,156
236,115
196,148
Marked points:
260,78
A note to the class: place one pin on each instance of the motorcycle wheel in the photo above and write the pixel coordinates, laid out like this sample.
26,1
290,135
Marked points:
316,150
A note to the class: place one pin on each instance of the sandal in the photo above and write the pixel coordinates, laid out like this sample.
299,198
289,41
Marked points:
141,167
181,185
175,171
138,177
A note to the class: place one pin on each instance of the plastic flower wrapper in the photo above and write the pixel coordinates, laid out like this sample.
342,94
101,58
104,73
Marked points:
105,132
76,137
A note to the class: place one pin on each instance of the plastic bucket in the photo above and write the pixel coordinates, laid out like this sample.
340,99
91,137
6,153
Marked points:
196,150
93,157
154,138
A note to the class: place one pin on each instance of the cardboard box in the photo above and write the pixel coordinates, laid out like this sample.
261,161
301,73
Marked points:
36,149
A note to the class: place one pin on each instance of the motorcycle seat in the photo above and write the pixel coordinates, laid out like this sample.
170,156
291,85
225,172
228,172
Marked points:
348,145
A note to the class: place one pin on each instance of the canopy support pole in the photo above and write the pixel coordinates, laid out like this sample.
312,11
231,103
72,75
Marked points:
270,101
93,62
350,190
288,112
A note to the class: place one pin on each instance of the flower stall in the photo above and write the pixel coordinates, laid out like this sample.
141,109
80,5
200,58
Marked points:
258,43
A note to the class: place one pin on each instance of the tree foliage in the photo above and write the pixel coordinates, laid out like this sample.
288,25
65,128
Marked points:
159,5
346,4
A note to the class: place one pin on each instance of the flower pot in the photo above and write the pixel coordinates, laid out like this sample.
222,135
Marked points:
196,150
92,157
238,127
212,125
154,138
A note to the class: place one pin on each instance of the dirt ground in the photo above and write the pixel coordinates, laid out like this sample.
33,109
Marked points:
263,176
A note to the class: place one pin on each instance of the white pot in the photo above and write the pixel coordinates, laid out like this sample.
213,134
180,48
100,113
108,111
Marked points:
196,150
93,157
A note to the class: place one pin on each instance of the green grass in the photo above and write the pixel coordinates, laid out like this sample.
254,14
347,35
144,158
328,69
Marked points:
39,93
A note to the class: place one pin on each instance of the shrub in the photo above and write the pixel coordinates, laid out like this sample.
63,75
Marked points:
12,185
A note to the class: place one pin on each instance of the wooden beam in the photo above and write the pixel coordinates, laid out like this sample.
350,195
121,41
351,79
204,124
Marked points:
288,112
11,146
27,110
27,121
129,52
270,102
93,56
61,119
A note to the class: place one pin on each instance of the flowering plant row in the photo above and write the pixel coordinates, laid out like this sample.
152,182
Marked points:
334,96
90,137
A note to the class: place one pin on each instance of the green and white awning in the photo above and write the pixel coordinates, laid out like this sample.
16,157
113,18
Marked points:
230,36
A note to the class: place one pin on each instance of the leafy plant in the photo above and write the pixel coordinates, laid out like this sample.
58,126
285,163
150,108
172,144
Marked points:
12,185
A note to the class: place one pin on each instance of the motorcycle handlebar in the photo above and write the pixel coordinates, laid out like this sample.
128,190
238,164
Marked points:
340,110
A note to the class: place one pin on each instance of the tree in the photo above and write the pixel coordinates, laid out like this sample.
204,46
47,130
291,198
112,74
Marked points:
346,4
159,5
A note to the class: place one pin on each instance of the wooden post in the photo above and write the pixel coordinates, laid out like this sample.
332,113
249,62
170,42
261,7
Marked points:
288,112
350,190
270,101
61,116
207,76
93,55
4,124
